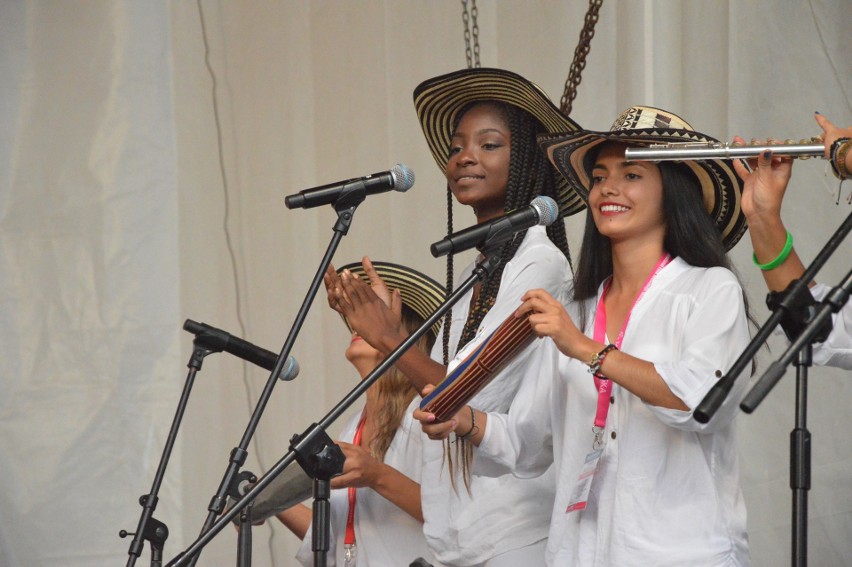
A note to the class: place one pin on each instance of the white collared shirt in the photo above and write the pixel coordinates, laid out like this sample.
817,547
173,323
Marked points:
666,492
505,513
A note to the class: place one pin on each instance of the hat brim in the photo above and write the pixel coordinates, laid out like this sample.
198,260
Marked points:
721,187
419,292
439,100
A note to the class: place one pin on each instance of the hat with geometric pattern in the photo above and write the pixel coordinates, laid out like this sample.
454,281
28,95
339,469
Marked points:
643,126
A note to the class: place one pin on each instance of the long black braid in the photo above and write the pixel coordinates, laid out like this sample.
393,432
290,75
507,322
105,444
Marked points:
530,175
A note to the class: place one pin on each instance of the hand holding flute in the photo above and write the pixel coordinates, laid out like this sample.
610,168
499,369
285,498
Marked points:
833,144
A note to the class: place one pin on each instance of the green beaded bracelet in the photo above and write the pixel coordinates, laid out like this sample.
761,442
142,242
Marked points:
785,252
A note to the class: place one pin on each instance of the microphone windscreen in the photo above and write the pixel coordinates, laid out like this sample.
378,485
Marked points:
403,177
547,209
290,370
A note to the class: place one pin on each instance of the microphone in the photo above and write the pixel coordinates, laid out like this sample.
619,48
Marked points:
400,178
218,340
541,211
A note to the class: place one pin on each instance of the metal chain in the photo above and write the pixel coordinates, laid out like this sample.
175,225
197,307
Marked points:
472,54
580,53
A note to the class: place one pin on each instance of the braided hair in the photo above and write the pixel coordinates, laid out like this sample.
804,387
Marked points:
530,175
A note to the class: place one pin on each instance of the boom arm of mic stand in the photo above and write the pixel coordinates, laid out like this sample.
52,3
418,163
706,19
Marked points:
717,394
487,266
833,303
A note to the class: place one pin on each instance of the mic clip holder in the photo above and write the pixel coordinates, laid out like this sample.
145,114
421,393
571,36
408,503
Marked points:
321,460
798,309
352,195
152,530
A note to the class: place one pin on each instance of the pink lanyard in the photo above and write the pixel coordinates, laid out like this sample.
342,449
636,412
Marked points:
604,387
349,539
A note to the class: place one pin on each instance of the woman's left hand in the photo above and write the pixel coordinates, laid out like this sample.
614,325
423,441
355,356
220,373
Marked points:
435,430
375,321
360,469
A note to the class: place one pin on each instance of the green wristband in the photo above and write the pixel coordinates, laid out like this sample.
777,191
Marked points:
785,253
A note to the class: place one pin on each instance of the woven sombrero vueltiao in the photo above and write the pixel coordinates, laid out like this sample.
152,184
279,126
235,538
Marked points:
438,101
643,126
418,291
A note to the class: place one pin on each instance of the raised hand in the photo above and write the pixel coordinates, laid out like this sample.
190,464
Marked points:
764,186
375,321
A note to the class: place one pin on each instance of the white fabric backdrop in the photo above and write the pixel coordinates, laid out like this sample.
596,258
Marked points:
145,150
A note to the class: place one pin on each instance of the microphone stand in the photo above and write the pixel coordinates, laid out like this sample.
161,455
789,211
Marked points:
345,207
805,322
794,293
317,453
149,528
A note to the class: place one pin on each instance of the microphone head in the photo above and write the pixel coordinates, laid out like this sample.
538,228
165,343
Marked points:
290,370
403,178
547,209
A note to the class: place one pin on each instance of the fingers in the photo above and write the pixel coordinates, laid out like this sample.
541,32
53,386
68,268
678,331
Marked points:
537,301
441,430
824,122
432,428
396,303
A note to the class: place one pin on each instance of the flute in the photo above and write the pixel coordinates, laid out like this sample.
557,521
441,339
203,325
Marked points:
717,150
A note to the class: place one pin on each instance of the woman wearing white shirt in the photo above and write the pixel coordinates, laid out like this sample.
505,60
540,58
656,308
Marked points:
481,126
376,518
657,318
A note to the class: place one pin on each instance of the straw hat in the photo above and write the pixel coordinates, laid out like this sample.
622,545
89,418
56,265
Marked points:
643,126
418,291
439,100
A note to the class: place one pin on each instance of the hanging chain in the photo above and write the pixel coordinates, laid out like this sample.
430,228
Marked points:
580,53
472,54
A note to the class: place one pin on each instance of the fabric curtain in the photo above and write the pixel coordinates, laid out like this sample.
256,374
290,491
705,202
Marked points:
145,152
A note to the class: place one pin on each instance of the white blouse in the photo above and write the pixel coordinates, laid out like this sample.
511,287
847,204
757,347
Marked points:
505,513
666,491
384,533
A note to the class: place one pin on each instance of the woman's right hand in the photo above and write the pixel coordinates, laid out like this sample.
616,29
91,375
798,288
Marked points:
548,318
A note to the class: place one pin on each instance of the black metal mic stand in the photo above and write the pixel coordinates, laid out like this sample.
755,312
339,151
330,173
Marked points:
816,330
805,322
345,208
149,528
313,449
795,291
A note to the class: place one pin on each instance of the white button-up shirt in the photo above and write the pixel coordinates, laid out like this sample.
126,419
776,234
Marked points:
666,491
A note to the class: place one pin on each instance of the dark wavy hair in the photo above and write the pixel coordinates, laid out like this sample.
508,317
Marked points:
690,233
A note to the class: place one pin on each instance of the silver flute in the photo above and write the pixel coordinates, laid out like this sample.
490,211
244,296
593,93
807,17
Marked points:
716,150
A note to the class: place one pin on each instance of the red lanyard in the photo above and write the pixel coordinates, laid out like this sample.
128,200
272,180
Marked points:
350,519
604,387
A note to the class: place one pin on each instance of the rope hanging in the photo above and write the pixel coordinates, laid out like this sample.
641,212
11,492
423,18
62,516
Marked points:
580,53
472,54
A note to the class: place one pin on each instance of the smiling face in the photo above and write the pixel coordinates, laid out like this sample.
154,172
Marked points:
626,198
478,166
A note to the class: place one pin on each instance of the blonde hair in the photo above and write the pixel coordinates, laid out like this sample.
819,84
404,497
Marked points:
395,392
